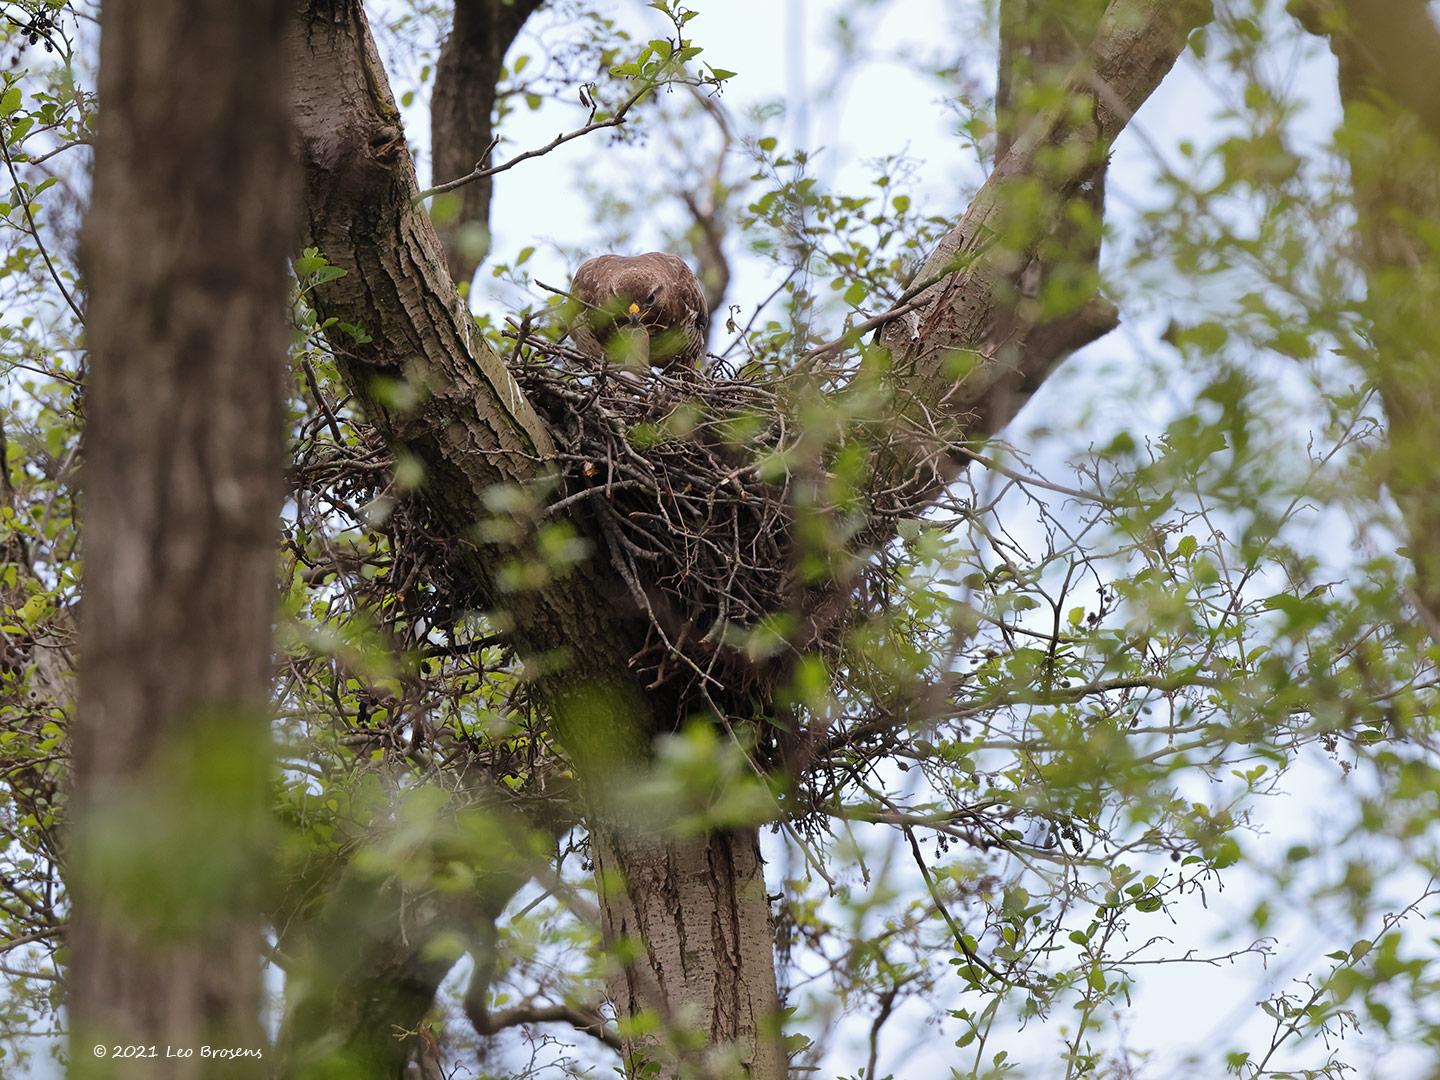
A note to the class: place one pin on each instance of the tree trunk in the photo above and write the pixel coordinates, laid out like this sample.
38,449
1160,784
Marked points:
691,916
185,259
463,417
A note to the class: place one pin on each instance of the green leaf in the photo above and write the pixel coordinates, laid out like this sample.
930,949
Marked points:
309,262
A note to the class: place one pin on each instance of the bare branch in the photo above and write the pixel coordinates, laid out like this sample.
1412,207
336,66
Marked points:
34,231
586,1020
481,171
42,976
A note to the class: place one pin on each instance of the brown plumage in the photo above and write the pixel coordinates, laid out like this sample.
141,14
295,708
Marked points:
640,309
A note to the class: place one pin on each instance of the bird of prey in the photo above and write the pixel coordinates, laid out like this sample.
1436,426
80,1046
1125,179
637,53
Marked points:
639,309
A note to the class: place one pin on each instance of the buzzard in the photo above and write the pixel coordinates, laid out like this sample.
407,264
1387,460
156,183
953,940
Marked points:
640,309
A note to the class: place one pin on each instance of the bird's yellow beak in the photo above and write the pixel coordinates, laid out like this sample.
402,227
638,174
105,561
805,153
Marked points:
633,309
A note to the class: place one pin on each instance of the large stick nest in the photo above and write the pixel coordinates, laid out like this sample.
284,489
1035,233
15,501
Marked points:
709,501
690,482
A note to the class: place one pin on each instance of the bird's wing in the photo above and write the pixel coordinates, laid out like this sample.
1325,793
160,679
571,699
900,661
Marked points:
689,297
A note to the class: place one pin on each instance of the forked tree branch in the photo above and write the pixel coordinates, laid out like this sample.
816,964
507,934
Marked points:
588,1021
965,365
483,171
968,347
438,394
461,414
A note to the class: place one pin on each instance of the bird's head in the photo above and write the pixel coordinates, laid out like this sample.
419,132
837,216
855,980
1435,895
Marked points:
634,296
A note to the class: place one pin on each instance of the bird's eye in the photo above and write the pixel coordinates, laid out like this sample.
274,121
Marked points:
651,298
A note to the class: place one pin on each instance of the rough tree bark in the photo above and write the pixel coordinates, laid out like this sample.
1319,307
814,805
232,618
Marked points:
695,912
185,257
463,417
698,904
462,119
1389,70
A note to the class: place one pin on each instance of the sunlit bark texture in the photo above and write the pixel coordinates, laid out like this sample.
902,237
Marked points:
185,257
694,946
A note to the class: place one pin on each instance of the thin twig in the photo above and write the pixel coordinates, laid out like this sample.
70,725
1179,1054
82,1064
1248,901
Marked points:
481,170
35,233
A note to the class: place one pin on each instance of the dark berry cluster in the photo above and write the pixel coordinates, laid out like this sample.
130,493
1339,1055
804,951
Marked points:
35,28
